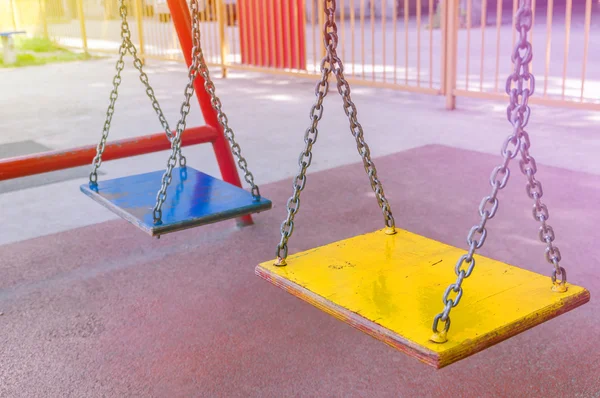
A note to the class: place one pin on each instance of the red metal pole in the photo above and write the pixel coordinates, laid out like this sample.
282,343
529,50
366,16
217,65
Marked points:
182,21
44,162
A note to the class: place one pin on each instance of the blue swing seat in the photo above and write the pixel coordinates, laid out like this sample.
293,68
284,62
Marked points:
193,199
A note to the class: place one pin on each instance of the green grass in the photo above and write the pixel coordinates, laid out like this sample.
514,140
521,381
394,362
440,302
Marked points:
37,45
39,51
32,60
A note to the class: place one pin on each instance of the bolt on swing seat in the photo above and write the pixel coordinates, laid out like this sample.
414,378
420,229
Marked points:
388,283
187,198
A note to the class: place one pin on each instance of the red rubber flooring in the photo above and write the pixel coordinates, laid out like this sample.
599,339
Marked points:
106,311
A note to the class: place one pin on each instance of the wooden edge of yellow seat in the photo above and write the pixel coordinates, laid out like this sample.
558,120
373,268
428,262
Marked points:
423,354
507,331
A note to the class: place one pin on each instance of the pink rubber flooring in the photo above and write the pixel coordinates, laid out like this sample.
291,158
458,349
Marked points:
106,311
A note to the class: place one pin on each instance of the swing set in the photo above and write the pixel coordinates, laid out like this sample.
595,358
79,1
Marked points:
386,283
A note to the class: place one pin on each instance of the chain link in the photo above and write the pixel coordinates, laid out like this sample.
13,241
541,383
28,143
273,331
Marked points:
540,213
520,85
224,122
127,46
518,114
357,132
138,64
114,94
199,66
330,63
184,111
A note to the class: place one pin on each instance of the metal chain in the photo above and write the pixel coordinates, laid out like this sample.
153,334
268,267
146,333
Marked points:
199,66
127,45
518,113
138,64
304,160
114,94
184,110
541,214
224,122
329,63
357,131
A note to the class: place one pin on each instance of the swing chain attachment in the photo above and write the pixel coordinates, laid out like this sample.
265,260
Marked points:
138,64
114,94
518,114
198,65
357,131
224,122
184,110
127,46
520,85
330,63
310,138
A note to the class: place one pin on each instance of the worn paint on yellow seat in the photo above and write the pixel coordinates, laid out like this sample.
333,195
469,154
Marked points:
391,287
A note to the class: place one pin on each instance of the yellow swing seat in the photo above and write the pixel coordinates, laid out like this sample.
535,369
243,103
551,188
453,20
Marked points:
388,286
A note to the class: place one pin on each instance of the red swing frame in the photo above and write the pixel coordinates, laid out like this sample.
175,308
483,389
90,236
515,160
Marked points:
212,132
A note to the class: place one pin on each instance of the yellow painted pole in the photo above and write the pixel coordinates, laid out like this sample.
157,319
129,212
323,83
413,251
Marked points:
443,7
13,14
483,24
224,45
321,21
139,16
586,42
44,18
548,43
568,13
82,25
451,48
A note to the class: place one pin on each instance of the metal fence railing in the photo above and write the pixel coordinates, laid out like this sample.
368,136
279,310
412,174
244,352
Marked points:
562,35
441,47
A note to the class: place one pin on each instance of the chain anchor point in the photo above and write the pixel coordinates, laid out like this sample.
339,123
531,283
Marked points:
390,231
280,262
439,337
559,287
